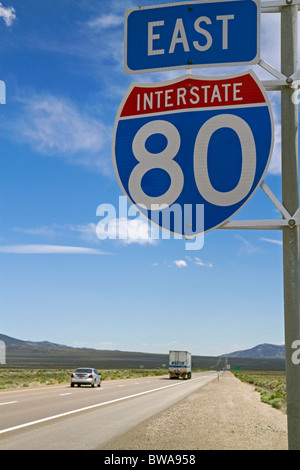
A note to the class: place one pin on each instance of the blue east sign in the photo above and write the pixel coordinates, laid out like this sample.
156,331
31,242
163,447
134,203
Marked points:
189,35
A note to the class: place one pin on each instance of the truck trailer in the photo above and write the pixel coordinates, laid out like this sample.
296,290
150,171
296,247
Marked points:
180,365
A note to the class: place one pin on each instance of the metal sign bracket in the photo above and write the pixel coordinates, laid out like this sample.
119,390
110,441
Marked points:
282,80
276,6
286,221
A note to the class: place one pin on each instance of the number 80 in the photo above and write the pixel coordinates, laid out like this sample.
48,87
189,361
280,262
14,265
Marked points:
165,160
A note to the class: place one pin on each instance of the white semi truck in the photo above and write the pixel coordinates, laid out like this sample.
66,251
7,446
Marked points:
180,364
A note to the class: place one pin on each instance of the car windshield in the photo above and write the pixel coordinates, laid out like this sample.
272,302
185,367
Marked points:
87,371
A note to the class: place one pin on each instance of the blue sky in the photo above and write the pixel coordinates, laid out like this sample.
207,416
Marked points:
62,64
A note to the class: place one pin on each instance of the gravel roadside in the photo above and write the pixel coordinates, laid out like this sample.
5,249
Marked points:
225,414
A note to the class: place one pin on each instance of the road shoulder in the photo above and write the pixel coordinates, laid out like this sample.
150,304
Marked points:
225,414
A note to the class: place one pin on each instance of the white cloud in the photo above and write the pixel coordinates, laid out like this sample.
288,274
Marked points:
8,14
127,230
80,344
86,231
156,347
49,249
54,126
270,240
270,39
106,21
106,345
200,263
275,163
180,263
246,246
37,231
138,230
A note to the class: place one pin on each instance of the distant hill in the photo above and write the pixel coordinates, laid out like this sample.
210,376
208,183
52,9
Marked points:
261,351
48,355
9,341
20,353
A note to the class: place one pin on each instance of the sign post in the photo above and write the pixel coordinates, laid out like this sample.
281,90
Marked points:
291,237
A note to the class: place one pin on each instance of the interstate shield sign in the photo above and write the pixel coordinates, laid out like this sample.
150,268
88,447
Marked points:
193,145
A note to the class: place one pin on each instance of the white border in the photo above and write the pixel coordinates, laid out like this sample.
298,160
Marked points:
186,66
191,110
170,82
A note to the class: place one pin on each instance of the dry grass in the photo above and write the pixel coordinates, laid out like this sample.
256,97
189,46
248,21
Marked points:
14,378
270,385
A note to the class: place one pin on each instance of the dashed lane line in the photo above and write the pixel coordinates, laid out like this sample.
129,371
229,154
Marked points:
97,405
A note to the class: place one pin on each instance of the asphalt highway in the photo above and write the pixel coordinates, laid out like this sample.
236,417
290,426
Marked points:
83,418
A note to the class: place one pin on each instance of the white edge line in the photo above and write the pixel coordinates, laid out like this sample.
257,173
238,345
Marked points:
189,110
49,418
8,403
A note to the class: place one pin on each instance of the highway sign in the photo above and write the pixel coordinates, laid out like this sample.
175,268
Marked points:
193,142
195,34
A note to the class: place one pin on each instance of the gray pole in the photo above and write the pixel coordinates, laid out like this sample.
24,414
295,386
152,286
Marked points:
291,236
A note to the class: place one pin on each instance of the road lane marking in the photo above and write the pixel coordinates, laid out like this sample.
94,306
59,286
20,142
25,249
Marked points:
8,403
97,405
35,389
63,394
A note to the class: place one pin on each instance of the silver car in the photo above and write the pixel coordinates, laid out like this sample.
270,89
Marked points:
84,376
